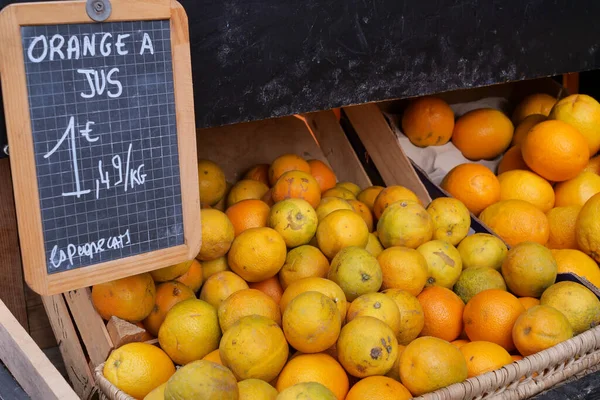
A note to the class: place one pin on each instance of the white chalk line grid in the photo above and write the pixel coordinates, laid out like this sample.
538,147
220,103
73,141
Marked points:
156,98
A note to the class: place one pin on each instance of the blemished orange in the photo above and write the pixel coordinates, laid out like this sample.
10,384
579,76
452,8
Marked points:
339,191
167,295
405,223
511,160
578,263
555,150
194,277
451,219
473,184
246,189
482,357
529,302
297,185
369,195
429,363
295,220
356,271
271,287
259,172
412,317
361,209
131,298
202,379
484,133
527,186
303,262
490,316
321,285
217,234
138,368
593,165
539,328
576,191
583,113
474,280
213,356
389,196
285,163
443,311
376,305
403,268
323,174
351,186
561,221
211,181
428,121
444,263
341,228
320,368
525,126
528,269
220,286
517,221
538,103
247,302
587,228
378,388
248,214
257,254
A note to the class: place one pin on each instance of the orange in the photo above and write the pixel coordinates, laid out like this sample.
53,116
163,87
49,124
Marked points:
529,269
428,121
451,219
138,368
366,347
583,113
511,160
211,181
341,228
190,331
429,363
259,172
356,271
490,316
527,186
339,191
374,245
217,235
389,196
246,189
268,198
555,150
593,165
285,163
247,302
576,191
361,209
529,302
327,205
378,388
403,268
167,295
540,328
484,357
525,126
404,223
257,254
221,203
394,373
517,358
158,393
131,298
482,250
303,262
561,221
473,184
254,347
587,228
311,322
307,390
369,195
271,287
352,187
202,379
255,389
578,263
444,264
209,268
474,280
171,272
517,221
297,185
578,303
220,286
376,305
295,220
248,214
443,311
324,176
538,103
484,133
458,343
321,285
194,277
213,356
412,318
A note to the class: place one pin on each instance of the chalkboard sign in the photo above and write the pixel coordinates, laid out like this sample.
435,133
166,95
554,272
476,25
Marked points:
109,152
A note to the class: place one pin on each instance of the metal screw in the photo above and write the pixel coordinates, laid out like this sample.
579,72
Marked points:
5,149
98,6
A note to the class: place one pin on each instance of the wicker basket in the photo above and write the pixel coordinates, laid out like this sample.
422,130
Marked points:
575,357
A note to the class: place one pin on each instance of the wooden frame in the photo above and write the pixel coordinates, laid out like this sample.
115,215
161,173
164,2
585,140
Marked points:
18,123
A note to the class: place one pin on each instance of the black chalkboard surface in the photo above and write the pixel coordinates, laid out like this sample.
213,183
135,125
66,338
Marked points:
105,139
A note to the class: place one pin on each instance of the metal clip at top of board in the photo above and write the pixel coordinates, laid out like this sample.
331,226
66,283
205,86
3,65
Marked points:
101,131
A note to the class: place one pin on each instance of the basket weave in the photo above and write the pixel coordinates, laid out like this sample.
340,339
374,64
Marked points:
575,357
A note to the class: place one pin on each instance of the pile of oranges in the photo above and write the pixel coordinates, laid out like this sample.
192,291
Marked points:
309,287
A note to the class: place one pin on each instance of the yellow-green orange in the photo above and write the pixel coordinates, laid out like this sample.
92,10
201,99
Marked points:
202,380
474,280
444,264
356,271
576,302
482,250
529,269
451,219
587,228
295,220
404,223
